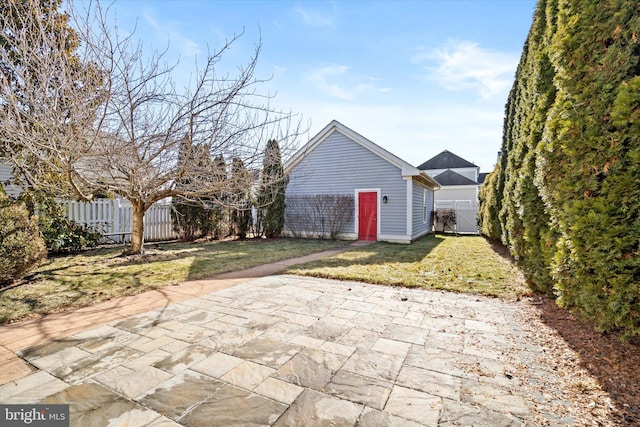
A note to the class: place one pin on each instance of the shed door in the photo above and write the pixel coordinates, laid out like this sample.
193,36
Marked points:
368,216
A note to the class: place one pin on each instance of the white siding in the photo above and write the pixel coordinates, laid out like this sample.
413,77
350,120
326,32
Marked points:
458,193
339,165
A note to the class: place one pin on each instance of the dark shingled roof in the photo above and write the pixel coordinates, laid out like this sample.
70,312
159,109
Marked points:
482,176
446,160
450,177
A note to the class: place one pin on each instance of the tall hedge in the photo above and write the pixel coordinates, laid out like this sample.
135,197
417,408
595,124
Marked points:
569,209
589,174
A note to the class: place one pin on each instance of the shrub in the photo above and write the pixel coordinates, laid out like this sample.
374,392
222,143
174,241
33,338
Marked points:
191,221
61,234
320,215
21,245
446,217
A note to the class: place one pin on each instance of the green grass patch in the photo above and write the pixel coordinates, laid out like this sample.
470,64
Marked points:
467,264
97,275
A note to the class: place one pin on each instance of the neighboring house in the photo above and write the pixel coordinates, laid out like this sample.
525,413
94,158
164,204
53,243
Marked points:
460,181
391,200
6,179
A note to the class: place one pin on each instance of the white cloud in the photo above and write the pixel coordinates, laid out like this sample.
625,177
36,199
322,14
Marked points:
415,132
178,41
464,65
337,81
314,18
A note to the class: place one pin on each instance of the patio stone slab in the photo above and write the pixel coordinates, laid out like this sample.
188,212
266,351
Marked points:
278,390
60,359
357,388
95,363
132,383
431,382
285,331
91,404
163,422
216,365
48,348
374,364
231,406
408,334
327,331
414,405
312,408
247,375
267,352
176,395
228,337
183,359
373,418
393,347
460,414
311,368
494,398
31,388
146,359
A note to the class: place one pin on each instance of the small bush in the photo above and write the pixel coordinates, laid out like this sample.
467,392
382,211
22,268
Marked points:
21,245
446,217
63,235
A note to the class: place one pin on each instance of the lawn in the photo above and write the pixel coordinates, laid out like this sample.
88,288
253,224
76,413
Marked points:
461,264
453,263
81,279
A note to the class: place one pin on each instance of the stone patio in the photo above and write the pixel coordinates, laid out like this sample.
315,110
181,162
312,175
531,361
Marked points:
292,351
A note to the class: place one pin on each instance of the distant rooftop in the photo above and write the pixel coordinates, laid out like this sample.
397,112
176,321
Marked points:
446,160
450,177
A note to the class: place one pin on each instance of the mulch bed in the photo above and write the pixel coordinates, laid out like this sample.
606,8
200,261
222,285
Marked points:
602,371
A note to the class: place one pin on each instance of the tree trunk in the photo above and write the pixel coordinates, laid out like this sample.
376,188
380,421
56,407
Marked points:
137,228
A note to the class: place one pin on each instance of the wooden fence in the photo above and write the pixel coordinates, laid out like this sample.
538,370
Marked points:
112,218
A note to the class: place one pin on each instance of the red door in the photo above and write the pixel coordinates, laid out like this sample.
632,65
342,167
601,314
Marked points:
368,216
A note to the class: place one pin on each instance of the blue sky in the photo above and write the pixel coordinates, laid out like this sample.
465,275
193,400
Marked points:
415,77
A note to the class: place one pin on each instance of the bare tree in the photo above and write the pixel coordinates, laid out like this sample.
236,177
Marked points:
128,127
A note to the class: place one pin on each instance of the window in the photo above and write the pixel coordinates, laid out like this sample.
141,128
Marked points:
425,213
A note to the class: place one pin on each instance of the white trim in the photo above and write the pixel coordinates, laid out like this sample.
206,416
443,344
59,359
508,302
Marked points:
395,238
357,219
409,207
314,235
460,187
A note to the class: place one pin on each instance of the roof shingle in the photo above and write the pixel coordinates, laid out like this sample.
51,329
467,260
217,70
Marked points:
450,177
446,160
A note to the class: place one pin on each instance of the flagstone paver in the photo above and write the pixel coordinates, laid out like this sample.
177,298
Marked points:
286,350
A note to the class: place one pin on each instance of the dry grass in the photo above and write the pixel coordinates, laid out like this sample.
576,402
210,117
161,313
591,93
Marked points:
453,263
97,275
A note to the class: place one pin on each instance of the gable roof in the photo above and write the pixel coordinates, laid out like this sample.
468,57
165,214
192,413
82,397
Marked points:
450,177
335,126
482,176
446,160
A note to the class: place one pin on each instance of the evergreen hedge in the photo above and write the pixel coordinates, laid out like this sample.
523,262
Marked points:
569,209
